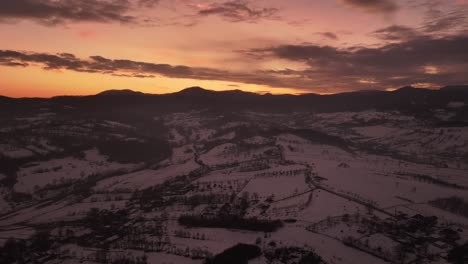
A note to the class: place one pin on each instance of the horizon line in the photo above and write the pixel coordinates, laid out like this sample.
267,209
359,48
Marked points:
232,90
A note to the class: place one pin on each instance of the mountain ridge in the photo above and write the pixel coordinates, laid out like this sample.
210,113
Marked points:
197,90
416,100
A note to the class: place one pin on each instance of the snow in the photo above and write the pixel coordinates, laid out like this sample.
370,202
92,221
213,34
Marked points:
280,186
359,117
117,124
59,171
145,178
4,206
331,250
257,140
212,156
324,204
182,154
18,232
227,136
30,213
220,176
15,152
368,173
376,173
428,210
217,240
455,104
382,241
376,131
164,258
229,153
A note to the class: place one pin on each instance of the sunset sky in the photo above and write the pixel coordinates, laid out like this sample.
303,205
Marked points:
80,47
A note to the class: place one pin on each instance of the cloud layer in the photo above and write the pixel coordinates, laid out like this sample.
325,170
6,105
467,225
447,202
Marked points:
373,6
237,11
389,65
130,68
421,60
52,12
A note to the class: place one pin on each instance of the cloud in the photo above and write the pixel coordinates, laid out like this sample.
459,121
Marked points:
59,12
392,64
423,59
373,6
148,3
444,24
55,12
128,68
328,35
396,33
236,11
441,17
438,21
451,21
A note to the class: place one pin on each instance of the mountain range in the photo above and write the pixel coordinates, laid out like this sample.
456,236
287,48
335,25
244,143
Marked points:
407,98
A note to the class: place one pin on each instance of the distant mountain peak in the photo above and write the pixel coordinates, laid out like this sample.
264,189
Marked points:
120,92
194,91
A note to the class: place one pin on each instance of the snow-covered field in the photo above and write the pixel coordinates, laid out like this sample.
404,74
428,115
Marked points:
145,178
59,171
338,196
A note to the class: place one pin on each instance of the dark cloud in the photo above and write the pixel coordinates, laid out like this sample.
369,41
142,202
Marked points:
373,6
396,33
53,12
441,17
444,24
134,75
148,3
95,64
57,12
238,11
452,21
432,7
128,68
437,23
328,35
422,59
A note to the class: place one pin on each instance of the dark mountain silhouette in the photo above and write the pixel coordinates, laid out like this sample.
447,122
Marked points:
119,92
130,103
194,91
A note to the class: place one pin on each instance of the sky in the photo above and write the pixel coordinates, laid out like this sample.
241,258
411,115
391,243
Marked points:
81,47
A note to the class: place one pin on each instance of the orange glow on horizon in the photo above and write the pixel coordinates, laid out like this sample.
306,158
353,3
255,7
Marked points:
44,84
